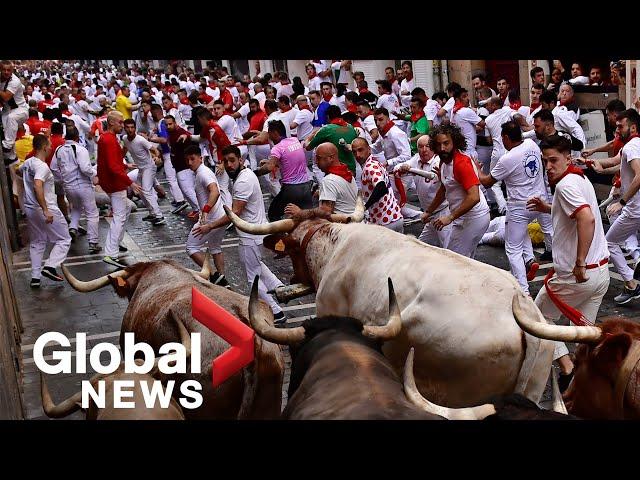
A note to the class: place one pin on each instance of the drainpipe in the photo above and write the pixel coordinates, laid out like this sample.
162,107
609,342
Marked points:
444,76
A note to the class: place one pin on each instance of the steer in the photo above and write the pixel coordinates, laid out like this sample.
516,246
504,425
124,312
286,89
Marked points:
505,407
338,371
606,383
457,312
157,288
109,412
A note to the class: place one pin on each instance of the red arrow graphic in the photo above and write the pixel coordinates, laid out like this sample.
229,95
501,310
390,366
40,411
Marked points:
231,329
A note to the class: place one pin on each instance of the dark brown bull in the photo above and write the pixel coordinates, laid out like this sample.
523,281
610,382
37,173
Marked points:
109,412
156,288
338,371
606,384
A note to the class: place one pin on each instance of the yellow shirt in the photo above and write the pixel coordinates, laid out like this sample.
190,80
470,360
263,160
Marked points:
123,104
23,147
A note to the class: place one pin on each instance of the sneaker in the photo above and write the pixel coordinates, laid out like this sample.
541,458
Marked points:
279,318
113,261
180,207
35,283
217,279
51,274
174,203
532,268
564,379
636,271
627,295
149,218
193,215
547,256
122,248
74,233
82,231
158,221
94,248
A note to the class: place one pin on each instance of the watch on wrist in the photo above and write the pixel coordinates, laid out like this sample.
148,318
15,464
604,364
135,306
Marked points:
622,201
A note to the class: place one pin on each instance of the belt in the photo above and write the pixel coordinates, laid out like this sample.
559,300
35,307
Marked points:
602,262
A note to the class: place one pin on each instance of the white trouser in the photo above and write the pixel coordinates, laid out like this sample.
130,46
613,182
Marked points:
41,233
147,180
211,241
186,182
120,209
624,226
585,297
631,243
397,226
434,237
516,236
170,173
11,120
494,194
84,200
256,153
358,176
274,183
251,257
466,234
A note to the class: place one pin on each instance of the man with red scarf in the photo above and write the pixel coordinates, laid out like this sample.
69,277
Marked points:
567,102
314,80
536,91
580,274
467,120
225,96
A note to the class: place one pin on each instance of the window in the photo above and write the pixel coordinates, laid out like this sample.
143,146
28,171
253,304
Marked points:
280,66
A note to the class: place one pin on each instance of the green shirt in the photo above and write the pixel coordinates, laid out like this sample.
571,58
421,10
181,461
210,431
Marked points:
420,127
333,133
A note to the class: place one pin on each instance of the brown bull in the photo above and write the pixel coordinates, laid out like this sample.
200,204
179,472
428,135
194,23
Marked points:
109,412
156,288
338,371
606,384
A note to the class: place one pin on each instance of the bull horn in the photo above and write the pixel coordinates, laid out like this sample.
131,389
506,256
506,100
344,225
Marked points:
356,216
394,323
91,285
258,320
524,315
414,396
63,409
556,396
206,266
284,294
280,226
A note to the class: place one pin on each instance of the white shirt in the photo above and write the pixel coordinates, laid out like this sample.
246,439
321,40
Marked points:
454,178
629,152
14,85
521,169
81,108
288,118
246,187
204,178
73,168
230,127
369,123
395,145
261,97
277,115
314,83
431,110
407,86
467,119
334,188
574,192
494,125
140,150
343,75
425,188
303,119
213,92
564,121
243,123
390,102
35,169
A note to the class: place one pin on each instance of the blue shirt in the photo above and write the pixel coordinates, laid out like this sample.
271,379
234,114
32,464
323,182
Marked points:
321,113
164,133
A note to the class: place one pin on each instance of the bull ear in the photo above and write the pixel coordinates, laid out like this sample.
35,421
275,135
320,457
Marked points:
611,352
120,285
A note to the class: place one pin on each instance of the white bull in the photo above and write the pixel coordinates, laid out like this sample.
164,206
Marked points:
458,313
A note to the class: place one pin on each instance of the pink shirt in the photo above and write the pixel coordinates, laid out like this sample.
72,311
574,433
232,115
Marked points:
292,161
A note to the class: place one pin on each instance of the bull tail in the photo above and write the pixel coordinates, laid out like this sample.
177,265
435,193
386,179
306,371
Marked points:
538,353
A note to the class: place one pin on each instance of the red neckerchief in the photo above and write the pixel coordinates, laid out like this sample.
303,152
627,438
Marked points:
352,108
338,121
457,106
503,96
570,169
326,99
285,109
312,76
515,105
635,135
305,107
617,144
616,180
341,170
184,101
563,103
417,116
363,90
386,128
356,124
67,113
533,106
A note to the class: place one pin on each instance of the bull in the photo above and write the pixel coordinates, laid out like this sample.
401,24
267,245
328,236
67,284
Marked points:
338,371
606,383
109,412
457,312
155,289
505,407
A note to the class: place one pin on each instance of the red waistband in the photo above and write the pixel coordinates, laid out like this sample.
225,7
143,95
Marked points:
602,262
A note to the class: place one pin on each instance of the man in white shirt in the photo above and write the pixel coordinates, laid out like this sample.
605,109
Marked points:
467,120
202,235
521,170
259,94
408,83
72,168
240,115
141,151
169,108
14,109
344,67
229,126
45,221
628,205
445,112
432,106
367,119
426,189
313,80
580,254
389,100
478,82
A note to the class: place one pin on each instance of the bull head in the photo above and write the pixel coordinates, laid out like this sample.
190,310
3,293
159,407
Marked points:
261,319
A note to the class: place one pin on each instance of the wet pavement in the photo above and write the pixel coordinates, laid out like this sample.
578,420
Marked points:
57,307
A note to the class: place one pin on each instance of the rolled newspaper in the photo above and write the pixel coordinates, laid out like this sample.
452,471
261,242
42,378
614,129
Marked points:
422,173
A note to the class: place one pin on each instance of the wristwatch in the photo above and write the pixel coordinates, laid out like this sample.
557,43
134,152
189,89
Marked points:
622,201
